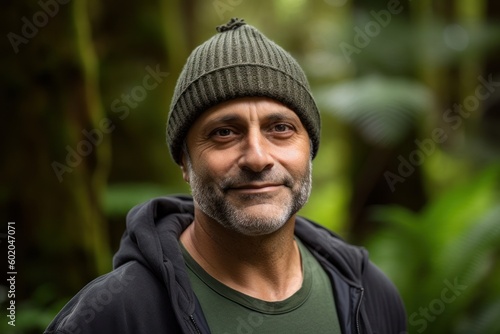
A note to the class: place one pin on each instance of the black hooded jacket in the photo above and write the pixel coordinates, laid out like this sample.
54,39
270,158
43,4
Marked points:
149,291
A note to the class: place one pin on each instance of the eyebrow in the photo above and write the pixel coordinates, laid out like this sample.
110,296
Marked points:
282,117
277,116
225,119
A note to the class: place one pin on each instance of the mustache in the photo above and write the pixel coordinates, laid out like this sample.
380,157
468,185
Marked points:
246,177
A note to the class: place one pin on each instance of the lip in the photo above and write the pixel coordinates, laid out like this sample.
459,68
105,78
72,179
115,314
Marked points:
256,188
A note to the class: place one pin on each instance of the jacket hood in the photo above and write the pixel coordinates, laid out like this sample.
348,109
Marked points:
147,224
151,238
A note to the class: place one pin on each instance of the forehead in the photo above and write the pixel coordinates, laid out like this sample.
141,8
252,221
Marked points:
247,108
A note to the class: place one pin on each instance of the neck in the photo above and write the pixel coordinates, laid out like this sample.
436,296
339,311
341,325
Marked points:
266,267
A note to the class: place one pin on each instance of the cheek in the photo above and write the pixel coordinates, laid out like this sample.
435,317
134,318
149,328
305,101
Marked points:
296,156
297,163
214,165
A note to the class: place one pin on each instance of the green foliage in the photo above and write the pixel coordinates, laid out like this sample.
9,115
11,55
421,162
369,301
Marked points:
33,316
121,197
30,319
454,239
331,191
381,109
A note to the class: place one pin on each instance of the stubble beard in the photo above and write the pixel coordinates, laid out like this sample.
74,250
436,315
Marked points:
211,199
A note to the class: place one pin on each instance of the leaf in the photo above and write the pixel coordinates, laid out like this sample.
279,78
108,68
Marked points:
382,110
468,253
486,322
460,206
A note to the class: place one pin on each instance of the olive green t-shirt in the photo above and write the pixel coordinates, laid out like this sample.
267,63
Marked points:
309,310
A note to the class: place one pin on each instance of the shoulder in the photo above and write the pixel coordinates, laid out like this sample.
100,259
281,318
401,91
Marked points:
383,304
111,302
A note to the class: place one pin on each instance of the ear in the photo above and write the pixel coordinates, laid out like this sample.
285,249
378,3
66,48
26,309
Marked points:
185,174
184,169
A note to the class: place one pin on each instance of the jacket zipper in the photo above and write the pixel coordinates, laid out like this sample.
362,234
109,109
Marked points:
358,309
191,317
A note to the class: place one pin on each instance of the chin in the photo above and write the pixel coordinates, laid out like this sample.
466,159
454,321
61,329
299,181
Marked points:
260,223
256,231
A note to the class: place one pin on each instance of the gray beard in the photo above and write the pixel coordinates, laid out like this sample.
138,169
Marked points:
211,200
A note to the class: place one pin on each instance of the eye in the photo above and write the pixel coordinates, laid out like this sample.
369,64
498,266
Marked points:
282,127
223,132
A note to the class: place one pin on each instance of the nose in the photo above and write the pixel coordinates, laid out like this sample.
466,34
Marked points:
255,154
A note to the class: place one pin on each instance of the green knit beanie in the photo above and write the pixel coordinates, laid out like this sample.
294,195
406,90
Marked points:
237,62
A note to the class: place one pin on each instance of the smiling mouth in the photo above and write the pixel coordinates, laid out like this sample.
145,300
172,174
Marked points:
256,188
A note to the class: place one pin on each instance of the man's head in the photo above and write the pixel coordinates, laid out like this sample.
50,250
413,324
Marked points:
244,127
237,62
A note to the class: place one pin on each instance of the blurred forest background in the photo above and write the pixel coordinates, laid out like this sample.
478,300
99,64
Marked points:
409,163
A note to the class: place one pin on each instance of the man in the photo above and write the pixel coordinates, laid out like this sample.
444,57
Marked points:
244,128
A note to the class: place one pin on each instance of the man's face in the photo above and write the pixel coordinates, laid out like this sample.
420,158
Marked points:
249,165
